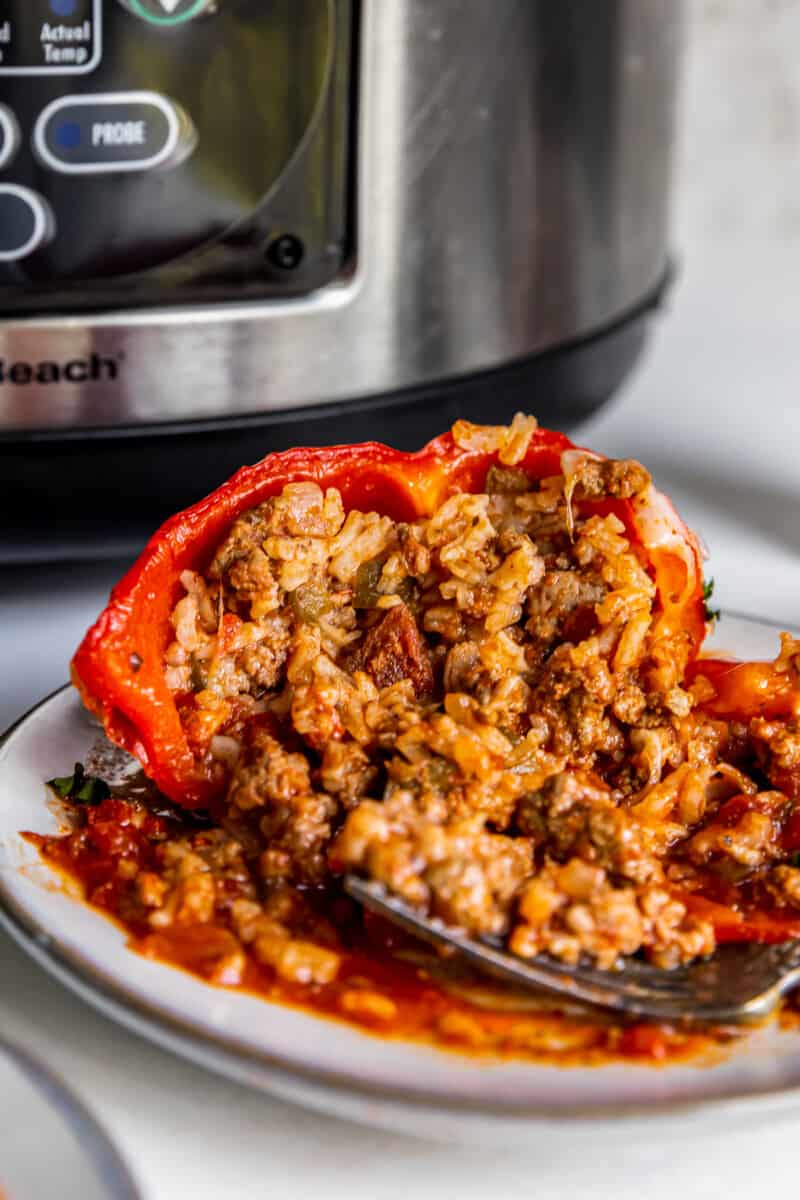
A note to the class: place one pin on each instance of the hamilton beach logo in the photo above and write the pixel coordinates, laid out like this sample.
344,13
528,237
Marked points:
93,369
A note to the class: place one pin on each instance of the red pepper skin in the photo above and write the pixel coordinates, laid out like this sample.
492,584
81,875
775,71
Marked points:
119,666
753,689
730,925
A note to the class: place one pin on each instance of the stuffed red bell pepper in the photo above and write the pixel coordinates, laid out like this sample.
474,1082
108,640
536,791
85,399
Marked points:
120,666
472,674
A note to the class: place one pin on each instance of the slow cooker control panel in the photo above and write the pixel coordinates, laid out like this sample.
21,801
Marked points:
163,150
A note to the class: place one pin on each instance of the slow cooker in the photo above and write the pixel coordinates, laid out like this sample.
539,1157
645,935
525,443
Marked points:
228,226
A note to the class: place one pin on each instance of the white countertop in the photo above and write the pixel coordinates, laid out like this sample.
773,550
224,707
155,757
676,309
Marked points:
715,412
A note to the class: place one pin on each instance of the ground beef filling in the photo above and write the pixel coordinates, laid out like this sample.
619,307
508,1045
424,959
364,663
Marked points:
470,708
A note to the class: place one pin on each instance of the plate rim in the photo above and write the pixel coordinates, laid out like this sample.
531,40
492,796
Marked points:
107,1160
338,1092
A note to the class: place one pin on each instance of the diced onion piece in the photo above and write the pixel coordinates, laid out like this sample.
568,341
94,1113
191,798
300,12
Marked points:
225,749
570,462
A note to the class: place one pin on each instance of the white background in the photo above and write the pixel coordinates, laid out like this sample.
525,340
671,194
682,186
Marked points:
714,411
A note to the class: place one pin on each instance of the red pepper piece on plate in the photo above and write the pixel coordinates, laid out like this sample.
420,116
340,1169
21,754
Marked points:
747,689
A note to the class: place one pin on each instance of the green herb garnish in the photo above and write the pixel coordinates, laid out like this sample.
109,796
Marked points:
712,614
368,577
80,788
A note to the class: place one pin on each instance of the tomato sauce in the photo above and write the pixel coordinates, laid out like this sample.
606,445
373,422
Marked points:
387,984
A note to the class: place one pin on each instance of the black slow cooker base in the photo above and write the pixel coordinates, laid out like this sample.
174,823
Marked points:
95,494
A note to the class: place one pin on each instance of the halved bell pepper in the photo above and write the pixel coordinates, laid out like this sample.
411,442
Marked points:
119,667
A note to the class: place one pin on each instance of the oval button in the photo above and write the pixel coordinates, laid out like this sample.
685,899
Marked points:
9,135
169,12
115,131
26,222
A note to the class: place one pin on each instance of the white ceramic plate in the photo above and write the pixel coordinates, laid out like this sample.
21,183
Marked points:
334,1067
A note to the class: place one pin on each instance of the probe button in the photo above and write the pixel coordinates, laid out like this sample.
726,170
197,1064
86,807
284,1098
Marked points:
113,131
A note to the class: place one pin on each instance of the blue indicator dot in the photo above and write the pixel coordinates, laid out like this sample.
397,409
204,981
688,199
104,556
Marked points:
63,8
68,135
